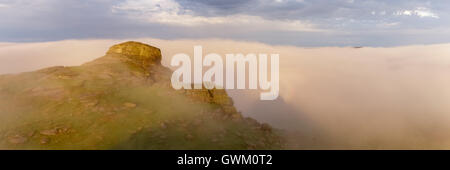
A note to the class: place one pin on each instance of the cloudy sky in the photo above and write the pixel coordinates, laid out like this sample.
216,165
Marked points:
278,22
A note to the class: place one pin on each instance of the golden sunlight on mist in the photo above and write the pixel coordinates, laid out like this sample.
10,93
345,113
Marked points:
346,98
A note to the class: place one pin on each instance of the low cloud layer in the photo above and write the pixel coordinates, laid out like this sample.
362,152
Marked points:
329,97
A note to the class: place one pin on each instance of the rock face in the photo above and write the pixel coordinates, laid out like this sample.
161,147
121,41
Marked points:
123,100
149,57
214,96
137,53
17,139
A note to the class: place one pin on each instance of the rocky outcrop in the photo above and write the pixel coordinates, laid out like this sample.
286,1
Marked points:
123,100
137,53
214,96
149,58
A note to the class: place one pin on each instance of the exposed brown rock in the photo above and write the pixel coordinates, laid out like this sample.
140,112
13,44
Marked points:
17,139
137,53
45,140
49,132
129,105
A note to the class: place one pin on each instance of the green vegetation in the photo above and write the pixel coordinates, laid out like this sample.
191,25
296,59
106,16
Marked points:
116,103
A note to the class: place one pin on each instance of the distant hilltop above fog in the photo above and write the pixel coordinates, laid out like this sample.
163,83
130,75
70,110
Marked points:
123,100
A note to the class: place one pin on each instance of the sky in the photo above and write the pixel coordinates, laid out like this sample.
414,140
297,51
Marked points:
309,23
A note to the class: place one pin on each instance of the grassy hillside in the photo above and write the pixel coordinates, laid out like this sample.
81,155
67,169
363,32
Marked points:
122,100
